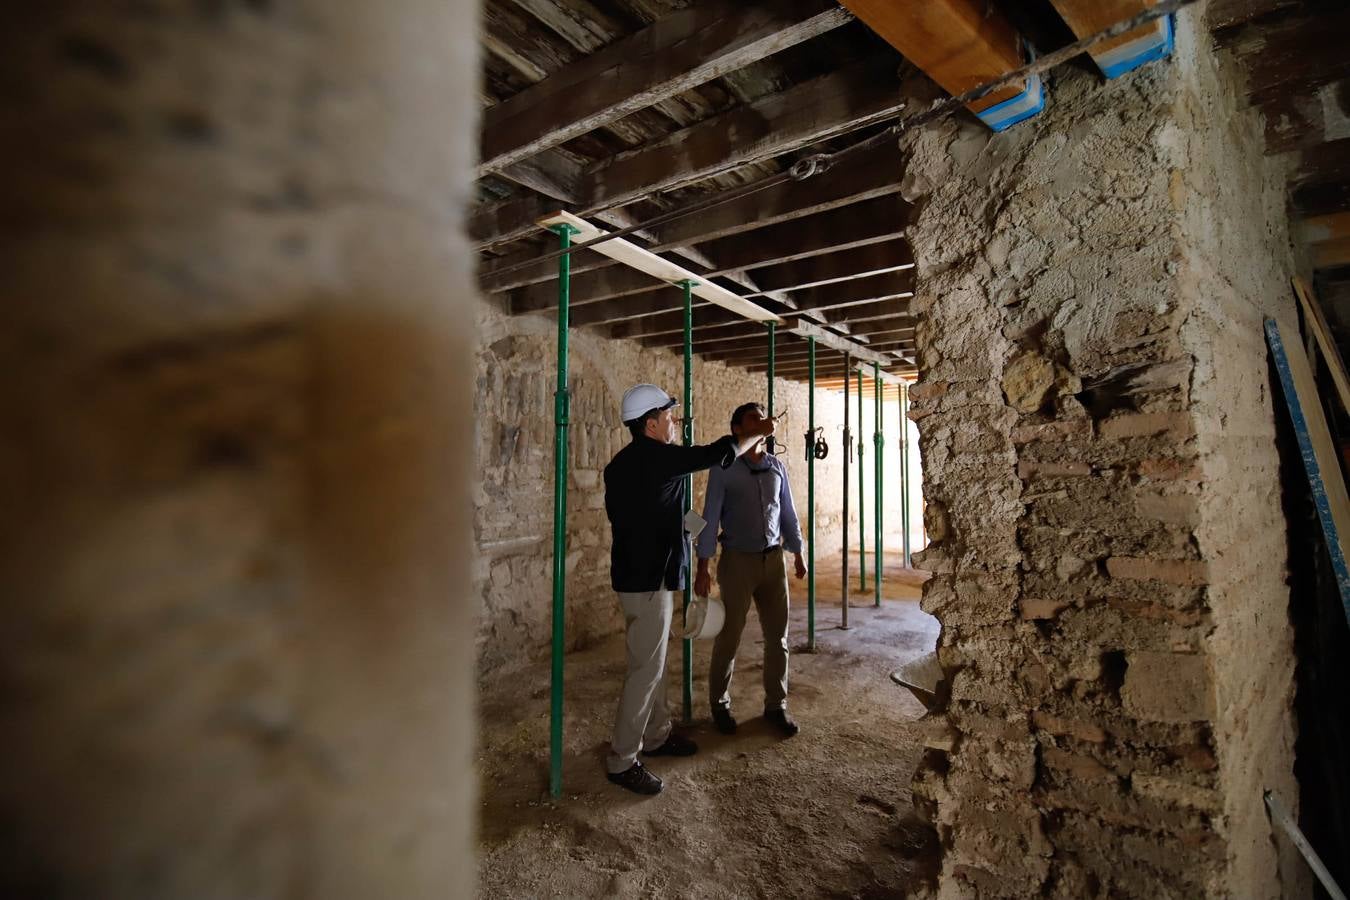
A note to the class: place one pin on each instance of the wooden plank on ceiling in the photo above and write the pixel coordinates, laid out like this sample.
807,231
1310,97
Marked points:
830,105
831,268
825,107
855,291
960,44
677,52
1222,14
870,222
1295,55
1297,120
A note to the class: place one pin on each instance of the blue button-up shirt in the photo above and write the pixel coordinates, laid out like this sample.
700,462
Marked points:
752,504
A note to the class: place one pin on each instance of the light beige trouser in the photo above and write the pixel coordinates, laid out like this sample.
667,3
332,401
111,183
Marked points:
643,719
741,578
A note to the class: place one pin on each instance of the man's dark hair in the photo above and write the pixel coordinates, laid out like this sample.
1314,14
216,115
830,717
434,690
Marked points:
739,415
638,427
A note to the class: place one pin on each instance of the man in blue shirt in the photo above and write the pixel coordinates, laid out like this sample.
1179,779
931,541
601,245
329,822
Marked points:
752,502
644,499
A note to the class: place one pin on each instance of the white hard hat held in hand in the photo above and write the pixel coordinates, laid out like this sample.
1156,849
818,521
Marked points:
641,399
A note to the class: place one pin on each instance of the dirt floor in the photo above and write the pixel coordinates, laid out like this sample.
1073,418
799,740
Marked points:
823,814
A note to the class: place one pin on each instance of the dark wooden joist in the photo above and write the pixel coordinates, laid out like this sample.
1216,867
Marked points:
830,105
824,107
874,173
1294,55
676,53
797,356
609,283
1298,120
832,268
664,324
620,309
870,222
1223,15
1320,182
856,291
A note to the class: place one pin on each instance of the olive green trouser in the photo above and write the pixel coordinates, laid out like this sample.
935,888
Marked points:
743,578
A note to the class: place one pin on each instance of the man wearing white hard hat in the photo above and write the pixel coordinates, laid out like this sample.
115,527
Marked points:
649,556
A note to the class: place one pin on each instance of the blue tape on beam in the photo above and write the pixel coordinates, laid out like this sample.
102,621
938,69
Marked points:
1310,464
1157,43
1003,116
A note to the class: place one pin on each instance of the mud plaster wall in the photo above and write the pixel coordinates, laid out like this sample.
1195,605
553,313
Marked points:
236,653
1096,421
513,441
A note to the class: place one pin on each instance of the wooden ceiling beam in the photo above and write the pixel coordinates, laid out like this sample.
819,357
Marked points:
875,173
674,54
870,222
858,290
1299,120
1228,14
824,107
1294,55
815,271
831,105
960,44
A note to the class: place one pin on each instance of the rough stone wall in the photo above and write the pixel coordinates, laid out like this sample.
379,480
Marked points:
513,441
235,658
1102,478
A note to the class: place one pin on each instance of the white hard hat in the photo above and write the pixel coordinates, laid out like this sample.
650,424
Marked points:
641,399
703,620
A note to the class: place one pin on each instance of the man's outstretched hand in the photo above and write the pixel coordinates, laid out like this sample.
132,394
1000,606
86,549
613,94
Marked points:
800,566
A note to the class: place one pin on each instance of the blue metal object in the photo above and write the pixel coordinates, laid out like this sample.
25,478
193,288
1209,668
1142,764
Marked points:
1156,43
1310,463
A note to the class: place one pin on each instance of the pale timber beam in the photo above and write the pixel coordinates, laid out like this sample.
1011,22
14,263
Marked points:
960,44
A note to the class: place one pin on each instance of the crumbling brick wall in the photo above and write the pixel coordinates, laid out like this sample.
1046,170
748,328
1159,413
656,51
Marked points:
1098,437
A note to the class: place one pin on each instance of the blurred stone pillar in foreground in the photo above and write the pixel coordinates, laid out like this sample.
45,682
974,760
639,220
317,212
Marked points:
235,658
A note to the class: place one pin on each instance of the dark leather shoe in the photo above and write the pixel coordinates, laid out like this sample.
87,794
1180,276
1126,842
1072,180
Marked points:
675,744
637,779
780,719
724,720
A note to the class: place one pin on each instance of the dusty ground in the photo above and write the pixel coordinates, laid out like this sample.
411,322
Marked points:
824,814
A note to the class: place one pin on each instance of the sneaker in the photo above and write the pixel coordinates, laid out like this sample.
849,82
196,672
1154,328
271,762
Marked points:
724,720
780,719
676,744
637,779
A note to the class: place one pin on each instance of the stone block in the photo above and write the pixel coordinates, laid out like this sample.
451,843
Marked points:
1028,380
1052,431
1170,469
1082,731
1167,687
1076,765
1177,793
1177,425
1186,572
1031,608
1027,469
1174,509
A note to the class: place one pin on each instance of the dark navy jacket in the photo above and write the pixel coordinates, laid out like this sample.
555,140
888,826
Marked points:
644,498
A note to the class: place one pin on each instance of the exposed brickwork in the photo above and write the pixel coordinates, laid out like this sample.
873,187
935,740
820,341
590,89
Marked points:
1083,443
